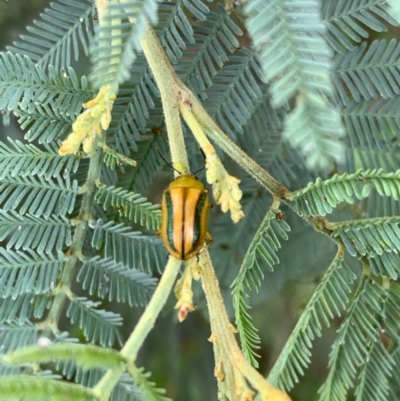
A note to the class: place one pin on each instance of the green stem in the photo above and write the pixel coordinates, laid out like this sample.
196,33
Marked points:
224,339
167,83
246,162
63,289
142,329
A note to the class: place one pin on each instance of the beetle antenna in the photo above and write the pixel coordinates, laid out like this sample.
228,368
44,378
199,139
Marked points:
166,161
201,169
198,171
204,155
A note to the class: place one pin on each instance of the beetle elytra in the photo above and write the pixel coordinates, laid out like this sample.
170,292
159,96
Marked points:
184,210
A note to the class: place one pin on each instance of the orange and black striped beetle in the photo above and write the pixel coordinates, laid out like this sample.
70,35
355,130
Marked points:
184,217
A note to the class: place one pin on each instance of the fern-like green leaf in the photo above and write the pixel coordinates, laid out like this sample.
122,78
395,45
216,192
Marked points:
376,370
295,57
127,390
24,307
321,197
355,335
378,206
37,196
124,390
24,160
377,238
330,297
261,253
375,145
132,205
214,40
118,40
148,388
22,85
43,123
6,370
114,281
394,387
27,272
98,325
235,249
371,69
366,159
112,159
40,388
130,113
392,314
62,28
86,356
28,232
347,20
15,334
148,164
131,248
234,91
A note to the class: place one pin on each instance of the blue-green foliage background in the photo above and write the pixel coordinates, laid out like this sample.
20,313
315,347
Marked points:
212,54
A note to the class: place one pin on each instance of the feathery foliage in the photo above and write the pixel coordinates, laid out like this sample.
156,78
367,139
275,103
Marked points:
148,388
231,105
357,344
55,39
38,196
297,84
16,334
131,205
375,146
294,55
43,124
118,42
85,356
24,307
328,300
375,373
113,280
125,390
25,160
98,325
28,232
321,197
27,273
377,238
22,85
210,45
41,388
367,71
131,248
261,252
346,21
148,162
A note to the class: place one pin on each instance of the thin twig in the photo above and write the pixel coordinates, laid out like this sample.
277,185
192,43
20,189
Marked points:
63,289
143,327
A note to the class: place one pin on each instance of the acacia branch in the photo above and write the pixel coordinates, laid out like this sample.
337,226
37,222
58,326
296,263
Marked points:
176,96
167,82
143,327
230,356
74,254
174,93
